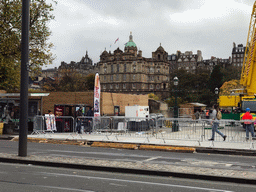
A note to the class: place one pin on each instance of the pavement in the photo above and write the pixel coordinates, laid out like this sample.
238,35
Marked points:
139,142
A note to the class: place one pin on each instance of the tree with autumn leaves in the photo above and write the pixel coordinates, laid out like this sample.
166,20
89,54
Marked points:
10,40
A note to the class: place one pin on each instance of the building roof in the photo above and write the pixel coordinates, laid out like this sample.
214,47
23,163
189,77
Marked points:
29,94
198,104
130,43
160,48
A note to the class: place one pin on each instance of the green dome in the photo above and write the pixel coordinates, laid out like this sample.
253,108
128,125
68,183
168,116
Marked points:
130,44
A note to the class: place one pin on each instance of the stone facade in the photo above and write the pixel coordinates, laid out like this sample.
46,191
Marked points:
188,61
194,63
209,64
84,67
238,55
128,72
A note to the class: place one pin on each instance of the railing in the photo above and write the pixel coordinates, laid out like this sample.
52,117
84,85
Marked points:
159,128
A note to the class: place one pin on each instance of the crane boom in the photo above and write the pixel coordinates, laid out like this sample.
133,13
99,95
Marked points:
248,75
245,97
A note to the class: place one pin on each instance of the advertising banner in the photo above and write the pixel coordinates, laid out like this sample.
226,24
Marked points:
97,96
50,122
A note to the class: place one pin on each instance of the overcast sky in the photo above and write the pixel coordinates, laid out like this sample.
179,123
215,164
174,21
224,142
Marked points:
186,25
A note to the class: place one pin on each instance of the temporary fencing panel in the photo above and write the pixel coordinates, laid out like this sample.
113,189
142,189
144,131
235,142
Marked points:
180,129
162,128
38,124
64,124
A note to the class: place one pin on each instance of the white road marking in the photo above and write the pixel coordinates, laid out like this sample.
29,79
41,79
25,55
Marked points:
62,188
152,158
132,181
117,184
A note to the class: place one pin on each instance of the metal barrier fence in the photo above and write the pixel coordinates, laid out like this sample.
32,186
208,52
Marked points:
180,129
41,124
159,128
38,124
201,130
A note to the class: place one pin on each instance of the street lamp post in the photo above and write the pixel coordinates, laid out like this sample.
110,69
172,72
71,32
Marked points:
175,125
216,93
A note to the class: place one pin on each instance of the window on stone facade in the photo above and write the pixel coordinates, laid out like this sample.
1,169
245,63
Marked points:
112,69
151,87
124,86
124,67
104,86
134,68
133,86
158,77
111,86
104,77
151,69
111,78
158,70
117,77
117,68
117,86
133,77
158,86
152,78
105,70
124,77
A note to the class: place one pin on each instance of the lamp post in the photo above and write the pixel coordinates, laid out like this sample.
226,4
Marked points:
216,93
175,125
23,132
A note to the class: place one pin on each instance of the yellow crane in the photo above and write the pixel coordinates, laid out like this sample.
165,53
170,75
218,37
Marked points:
245,97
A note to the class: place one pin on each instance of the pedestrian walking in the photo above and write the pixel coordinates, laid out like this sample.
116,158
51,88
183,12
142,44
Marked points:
79,113
215,124
249,125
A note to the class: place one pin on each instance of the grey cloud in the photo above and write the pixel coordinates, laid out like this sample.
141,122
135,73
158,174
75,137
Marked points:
150,27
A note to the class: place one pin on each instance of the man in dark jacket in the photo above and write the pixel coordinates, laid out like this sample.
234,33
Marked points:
90,112
90,120
79,113
248,124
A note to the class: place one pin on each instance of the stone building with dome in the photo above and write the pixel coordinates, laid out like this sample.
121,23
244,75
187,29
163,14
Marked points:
129,72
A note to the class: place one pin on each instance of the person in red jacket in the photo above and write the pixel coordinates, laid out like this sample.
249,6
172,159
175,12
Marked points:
248,124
